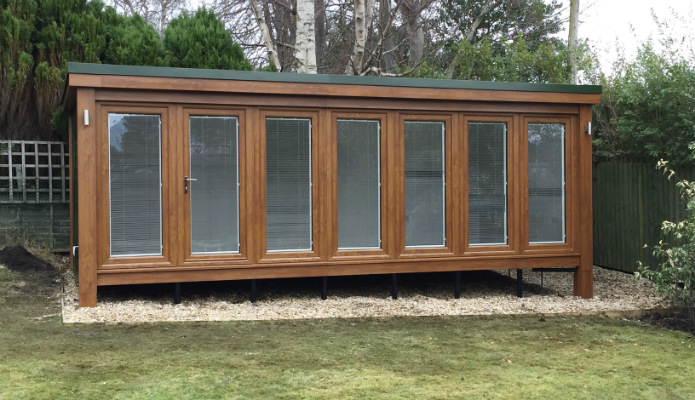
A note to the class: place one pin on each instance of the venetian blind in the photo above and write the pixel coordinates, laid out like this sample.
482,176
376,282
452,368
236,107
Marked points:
359,184
546,183
288,184
135,194
424,184
487,183
215,191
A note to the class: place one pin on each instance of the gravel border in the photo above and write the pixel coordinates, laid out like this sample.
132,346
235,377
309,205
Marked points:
615,294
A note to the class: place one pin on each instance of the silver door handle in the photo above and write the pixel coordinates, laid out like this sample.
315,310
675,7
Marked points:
185,183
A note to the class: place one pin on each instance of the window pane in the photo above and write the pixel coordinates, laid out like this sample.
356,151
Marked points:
359,198
288,184
135,192
215,193
487,183
424,184
546,183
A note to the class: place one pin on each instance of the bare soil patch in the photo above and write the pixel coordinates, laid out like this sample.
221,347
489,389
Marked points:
18,259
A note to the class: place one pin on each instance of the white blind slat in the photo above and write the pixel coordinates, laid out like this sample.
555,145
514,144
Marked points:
288,184
215,192
487,183
135,184
359,181
546,182
424,184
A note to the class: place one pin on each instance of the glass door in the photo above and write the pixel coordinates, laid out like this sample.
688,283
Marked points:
211,185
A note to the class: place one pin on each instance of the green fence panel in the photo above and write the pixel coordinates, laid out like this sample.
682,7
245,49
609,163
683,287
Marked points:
631,200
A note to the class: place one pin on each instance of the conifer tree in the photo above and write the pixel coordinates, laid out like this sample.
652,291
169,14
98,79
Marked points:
200,40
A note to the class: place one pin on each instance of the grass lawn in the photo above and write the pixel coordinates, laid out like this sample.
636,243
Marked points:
395,358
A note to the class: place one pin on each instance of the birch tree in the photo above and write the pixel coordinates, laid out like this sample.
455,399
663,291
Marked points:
364,10
305,40
378,37
265,32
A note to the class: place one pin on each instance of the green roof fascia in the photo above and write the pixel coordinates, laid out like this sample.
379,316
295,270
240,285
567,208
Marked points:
170,72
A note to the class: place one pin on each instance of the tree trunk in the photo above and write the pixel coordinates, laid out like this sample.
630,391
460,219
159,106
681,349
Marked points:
416,33
265,32
389,41
363,19
574,25
285,25
305,39
320,10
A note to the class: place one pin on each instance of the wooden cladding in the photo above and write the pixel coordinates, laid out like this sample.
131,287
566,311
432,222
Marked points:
256,186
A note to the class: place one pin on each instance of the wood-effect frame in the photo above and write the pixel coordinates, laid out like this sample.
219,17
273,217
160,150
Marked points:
265,256
254,262
571,157
386,249
513,186
170,227
184,211
452,179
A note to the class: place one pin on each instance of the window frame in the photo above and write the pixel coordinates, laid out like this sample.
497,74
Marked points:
571,147
385,251
512,245
451,225
168,258
314,254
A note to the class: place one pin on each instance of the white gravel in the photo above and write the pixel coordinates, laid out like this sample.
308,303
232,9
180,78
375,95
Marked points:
615,294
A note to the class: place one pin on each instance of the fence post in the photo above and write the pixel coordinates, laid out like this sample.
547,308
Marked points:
62,171
9,163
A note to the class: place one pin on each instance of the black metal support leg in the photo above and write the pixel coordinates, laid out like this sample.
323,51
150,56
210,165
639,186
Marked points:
324,288
457,285
253,291
177,293
519,283
394,286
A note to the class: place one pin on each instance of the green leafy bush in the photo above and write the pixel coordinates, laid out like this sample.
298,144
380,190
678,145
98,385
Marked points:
646,111
675,276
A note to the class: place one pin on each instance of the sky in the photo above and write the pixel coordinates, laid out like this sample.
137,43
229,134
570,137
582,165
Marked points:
628,23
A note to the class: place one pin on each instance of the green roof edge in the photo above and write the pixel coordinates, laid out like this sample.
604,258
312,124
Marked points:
171,72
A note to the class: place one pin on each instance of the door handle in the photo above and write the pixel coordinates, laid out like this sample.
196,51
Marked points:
185,183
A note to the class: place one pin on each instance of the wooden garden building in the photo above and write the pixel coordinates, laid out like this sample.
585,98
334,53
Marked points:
183,175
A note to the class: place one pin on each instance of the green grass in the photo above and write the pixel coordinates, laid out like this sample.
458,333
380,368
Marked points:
394,358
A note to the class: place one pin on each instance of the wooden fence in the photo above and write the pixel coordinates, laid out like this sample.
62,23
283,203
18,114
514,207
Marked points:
631,200
34,193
